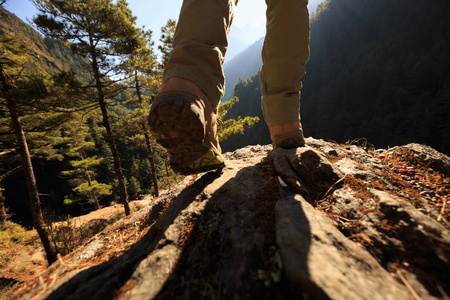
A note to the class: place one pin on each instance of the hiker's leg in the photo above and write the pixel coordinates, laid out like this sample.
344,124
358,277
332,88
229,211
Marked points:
183,117
200,44
285,53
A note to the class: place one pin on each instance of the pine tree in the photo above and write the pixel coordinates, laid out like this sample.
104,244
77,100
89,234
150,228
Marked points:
101,31
134,188
167,34
83,173
141,67
13,86
231,127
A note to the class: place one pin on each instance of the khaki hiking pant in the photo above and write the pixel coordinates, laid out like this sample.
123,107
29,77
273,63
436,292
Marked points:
200,44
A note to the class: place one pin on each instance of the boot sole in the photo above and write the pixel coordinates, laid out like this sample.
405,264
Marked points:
179,126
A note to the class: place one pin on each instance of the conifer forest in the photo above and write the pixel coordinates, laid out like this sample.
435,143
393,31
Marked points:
378,71
76,88
74,101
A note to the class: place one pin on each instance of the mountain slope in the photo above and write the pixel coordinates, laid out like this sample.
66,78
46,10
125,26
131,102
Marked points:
43,58
242,66
378,70
48,55
249,93
240,38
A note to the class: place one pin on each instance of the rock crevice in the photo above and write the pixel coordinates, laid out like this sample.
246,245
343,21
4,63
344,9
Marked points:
326,221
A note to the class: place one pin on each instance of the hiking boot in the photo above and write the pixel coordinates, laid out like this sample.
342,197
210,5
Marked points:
186,126
287,136
289,140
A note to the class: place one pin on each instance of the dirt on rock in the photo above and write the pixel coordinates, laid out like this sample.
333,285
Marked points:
326,221
26,258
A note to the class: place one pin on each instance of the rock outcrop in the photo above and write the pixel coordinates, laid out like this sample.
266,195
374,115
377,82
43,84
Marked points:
326,221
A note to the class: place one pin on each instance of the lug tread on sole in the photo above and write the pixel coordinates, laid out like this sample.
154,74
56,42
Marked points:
177,115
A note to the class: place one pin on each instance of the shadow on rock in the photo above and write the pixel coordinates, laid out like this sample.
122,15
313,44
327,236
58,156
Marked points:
232,251
102,281
239,234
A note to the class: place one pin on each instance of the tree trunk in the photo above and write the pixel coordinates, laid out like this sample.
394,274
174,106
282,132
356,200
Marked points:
38,220
151,159
147,140
97,205
167,172
110,137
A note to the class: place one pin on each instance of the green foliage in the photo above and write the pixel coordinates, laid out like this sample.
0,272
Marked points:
55,91
45,55
103,31
95,28
249,92
39,91
12,51
88,189
231,127
134,188
13,239
141,68
167,34
79,149
11,234
57,106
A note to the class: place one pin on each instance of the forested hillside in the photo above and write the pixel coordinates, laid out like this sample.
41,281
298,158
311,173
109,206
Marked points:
242,66
249,93
47,55
55,95
327,220
73,111
378,70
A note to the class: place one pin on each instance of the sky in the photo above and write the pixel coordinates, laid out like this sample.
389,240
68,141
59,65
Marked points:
249,20
155,13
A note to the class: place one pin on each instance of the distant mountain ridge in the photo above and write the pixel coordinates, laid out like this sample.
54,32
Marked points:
242,66
235,46
243,62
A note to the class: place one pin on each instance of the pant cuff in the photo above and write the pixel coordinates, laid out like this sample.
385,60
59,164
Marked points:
281,108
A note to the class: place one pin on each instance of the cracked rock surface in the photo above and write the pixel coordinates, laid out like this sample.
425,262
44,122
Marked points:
325,221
